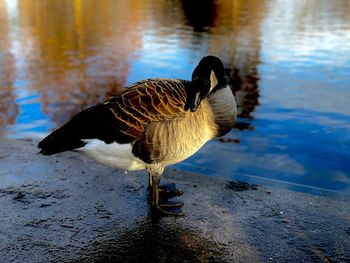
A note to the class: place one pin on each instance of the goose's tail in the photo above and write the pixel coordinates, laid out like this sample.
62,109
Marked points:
95,122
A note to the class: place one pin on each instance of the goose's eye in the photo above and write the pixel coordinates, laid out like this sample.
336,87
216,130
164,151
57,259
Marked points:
207,82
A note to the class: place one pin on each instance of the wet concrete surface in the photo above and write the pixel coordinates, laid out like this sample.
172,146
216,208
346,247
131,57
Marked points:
66,208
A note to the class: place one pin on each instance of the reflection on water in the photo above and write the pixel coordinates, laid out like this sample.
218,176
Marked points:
8,107
289,60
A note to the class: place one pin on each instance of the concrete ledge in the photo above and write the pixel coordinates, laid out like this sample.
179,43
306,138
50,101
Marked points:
66,208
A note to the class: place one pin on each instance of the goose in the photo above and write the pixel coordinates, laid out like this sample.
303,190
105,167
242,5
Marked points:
152,124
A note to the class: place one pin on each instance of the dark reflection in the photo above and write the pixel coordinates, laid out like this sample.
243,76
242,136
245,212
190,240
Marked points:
247,96
154,240
200,14
242,125
246,92
233,79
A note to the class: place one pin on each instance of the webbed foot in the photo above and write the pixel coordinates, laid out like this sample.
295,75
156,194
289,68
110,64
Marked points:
169,190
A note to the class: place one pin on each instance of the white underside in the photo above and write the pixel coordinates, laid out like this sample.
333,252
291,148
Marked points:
114,154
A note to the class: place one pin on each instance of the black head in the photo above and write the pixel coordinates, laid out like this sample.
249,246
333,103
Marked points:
207,77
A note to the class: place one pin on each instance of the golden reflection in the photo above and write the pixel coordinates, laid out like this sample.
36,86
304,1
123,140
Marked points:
74,53
77,52
8,107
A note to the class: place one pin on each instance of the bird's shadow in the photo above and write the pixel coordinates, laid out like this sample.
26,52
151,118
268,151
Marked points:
155,239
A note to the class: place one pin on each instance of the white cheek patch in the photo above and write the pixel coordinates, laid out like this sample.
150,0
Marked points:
213,80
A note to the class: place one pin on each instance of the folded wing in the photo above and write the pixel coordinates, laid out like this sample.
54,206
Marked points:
123,118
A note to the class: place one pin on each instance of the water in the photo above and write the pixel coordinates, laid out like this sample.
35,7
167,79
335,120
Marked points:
292,57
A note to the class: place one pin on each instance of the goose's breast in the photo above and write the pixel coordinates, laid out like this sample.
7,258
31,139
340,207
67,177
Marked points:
173,141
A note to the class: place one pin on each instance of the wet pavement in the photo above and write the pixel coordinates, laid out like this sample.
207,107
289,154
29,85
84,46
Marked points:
66,208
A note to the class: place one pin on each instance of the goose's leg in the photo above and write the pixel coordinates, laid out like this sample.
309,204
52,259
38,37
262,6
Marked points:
149,181
155,189
155,174
166,191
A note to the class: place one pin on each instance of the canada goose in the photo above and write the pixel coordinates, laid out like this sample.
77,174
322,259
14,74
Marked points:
149,125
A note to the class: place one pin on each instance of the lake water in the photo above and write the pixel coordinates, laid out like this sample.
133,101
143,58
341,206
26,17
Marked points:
290,59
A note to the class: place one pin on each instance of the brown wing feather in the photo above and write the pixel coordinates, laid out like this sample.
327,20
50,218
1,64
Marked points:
148,101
